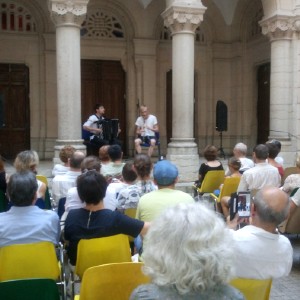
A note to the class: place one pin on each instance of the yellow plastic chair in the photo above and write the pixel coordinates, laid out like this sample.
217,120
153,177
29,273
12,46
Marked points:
253,289
33,260
212,181
111,281
42,178
230,186
130,212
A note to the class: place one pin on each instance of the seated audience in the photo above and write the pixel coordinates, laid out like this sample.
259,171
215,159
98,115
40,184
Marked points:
240,152
153,203
143,166
113,169
24,222
28,160
72,200
273,151
293,180
278,158
212,164
64,155
93,220
128,196
103,155
234,166
62,183
260,252
263,174
188,255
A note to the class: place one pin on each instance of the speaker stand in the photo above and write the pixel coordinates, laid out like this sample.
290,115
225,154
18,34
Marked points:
221,145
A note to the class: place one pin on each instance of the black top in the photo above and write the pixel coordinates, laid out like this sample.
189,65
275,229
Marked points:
3,181
204,168
84,224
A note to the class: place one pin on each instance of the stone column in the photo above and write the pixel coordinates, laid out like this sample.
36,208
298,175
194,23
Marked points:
183,18
68,17
281,31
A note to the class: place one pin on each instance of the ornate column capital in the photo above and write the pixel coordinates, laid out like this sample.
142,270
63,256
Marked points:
181,18
280,27
68,12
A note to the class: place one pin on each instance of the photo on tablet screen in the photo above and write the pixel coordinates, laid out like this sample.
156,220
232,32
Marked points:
243,204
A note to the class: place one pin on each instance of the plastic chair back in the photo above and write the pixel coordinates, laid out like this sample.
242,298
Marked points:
99,251
130,212
112,281
253,289
230,186
212,181
42,178
29,289
36,260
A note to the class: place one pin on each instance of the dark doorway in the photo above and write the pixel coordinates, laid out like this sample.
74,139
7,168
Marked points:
104,82
263,103
14,110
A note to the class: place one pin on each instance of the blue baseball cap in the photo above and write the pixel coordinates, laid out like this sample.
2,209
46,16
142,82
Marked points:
165,172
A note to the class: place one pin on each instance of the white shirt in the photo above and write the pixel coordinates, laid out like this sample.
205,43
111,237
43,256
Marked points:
296,198
263,174
110,200
60,170
260,254
150,122
246,163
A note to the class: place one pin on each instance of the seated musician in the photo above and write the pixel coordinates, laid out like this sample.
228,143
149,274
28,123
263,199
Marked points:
100,128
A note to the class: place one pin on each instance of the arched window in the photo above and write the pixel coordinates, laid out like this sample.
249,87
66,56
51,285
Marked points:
100,24
15,18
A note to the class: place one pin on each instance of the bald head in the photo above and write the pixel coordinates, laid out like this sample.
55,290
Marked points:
272,205
76,159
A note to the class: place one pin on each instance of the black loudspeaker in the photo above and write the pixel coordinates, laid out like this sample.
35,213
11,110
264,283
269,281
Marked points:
221,116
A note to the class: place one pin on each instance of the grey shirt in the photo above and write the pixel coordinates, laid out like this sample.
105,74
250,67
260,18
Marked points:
154,292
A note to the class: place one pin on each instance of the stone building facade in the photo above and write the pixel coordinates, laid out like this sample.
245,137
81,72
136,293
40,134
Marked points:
179,57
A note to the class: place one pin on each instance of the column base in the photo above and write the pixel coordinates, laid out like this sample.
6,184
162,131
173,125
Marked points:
59,144
184,154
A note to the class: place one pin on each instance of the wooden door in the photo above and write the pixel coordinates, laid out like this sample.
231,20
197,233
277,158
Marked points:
263,103
103,82
14,110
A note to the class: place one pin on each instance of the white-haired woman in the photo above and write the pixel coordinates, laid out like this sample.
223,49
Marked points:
188,255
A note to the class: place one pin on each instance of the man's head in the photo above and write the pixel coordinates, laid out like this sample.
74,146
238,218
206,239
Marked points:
271,205
240,150
144,111
128,174
99,109
165,173
76,160
91,187
115,152
260,152
21,188
273,150
91,162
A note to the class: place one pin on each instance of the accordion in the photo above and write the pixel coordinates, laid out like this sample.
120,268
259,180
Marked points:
110,129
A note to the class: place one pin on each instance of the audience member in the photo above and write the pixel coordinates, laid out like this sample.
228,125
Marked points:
62,183
212,164
278,158
103,155
25,222
28,160
152,204
234,166
240,152
260,252
113,169
293,180
73,201
94,220
188,255
273,151
64,155
263,174
146,127
128,196
143,166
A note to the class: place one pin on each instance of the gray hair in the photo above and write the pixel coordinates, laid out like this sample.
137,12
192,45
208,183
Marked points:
241,147
188,246
266,212
21,188
25,160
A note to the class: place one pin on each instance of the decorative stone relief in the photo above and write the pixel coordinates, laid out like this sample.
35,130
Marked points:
68,11
279,27
180,18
